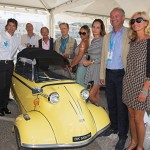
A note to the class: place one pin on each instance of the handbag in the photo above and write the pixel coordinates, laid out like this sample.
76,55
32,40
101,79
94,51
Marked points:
148,59
74,68
147,118
146,144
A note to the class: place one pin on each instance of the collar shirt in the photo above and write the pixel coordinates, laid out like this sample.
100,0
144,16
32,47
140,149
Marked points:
31,39
63,41
115,47
64,37
46,46
9,46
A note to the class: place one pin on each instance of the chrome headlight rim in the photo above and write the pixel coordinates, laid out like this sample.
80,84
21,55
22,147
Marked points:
84,94
53,98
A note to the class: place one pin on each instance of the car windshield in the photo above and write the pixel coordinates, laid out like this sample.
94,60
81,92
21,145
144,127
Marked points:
52,73
38,65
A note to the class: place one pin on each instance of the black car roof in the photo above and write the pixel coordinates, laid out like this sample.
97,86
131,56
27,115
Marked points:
43,56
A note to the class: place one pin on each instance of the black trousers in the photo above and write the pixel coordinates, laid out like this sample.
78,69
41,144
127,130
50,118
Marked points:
118,112
6,71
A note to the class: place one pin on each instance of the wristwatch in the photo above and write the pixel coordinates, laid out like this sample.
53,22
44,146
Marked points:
92,62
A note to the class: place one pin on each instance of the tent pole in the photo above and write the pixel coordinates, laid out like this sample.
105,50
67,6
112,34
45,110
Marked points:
50,19
52,24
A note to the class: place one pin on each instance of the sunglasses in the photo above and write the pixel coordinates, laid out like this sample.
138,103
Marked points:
83,33
137,20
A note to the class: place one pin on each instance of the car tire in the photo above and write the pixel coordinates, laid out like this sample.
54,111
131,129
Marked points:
17,135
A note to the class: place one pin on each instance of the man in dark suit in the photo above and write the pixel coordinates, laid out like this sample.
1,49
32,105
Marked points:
46,42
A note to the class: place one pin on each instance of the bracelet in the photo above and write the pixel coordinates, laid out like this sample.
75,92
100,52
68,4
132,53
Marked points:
144,92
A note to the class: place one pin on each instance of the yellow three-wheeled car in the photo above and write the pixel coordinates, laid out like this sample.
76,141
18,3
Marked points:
55,112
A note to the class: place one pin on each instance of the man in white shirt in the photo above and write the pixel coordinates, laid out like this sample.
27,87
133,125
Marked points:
30,39
9,44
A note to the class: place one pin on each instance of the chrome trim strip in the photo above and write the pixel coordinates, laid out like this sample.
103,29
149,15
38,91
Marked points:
58,84
65,145
22,82
73,108
76,102
80,107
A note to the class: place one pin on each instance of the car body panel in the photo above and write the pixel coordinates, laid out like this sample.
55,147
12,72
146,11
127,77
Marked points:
33,128
99,114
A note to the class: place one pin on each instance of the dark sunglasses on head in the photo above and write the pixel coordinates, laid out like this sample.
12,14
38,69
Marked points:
137,20
83,33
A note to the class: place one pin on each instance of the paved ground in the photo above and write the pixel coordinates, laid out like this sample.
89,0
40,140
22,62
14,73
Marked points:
7,138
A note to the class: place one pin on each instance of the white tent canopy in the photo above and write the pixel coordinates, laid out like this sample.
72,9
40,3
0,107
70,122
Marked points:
91,7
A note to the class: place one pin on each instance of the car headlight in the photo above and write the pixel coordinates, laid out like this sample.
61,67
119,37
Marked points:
85,94
54,98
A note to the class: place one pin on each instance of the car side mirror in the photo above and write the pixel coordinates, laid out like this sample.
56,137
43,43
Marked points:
37,90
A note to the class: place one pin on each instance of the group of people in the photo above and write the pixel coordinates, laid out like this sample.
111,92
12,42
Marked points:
119,60
31,39
125,71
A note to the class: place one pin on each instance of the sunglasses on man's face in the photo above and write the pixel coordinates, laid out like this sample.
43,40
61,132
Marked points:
137,20
83,33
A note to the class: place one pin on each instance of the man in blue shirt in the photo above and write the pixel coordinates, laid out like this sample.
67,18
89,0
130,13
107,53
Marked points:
113,64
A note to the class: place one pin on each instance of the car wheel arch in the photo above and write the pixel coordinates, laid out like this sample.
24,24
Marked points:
18,139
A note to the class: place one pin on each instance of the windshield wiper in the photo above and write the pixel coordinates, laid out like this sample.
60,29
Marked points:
48,78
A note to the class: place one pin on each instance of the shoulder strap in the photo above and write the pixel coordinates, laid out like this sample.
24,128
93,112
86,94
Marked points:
148,59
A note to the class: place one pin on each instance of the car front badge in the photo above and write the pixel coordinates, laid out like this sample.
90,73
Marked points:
81,120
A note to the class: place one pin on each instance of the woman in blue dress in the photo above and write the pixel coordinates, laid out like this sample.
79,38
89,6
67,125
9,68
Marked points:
80,55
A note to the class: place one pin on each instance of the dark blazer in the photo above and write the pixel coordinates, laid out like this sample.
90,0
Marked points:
148,59
51,43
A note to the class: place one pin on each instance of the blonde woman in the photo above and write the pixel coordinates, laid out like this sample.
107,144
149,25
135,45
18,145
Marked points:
80,52
136,84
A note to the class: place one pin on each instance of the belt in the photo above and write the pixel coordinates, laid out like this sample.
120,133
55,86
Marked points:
115,70
6,61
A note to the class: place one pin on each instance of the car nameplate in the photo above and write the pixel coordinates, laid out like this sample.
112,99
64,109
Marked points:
81,138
